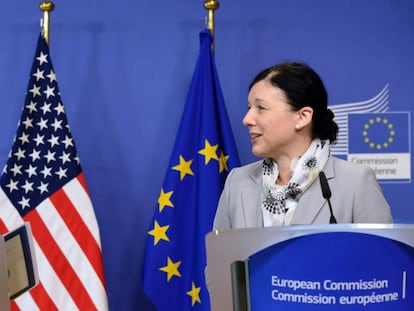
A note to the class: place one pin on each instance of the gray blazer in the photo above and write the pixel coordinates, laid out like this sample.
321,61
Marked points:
356,197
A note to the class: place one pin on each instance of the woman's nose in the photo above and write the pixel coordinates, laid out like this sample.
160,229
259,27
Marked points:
247,119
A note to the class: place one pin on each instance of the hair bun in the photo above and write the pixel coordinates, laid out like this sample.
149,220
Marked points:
329,114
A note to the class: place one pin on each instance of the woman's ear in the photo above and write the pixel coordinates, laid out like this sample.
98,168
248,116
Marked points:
304,117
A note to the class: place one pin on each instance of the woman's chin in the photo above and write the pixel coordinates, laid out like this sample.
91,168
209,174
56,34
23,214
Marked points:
258,153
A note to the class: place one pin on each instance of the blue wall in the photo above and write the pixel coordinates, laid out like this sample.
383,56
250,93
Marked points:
124,68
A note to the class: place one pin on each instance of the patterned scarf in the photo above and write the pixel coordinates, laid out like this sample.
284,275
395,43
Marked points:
305,170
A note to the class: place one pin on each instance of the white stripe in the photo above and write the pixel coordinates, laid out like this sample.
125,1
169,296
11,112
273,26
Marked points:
73,253
8,212
26,302
52,284
83,204
12,220
373,102
47,276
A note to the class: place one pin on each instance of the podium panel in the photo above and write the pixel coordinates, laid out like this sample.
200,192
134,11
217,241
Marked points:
317,267
4,290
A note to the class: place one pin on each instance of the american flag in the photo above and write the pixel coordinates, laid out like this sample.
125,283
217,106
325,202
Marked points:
43,183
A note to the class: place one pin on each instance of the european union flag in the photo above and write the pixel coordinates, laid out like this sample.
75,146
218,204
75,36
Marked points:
379,132
203,154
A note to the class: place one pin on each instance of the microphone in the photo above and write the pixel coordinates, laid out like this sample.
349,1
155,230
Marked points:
326,193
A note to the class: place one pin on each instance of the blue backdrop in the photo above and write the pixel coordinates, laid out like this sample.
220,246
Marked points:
124,68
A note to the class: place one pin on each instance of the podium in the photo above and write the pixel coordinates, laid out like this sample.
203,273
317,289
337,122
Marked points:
312,267
18,268
4,290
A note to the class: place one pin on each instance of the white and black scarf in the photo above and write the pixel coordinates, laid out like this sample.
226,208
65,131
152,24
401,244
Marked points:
305,170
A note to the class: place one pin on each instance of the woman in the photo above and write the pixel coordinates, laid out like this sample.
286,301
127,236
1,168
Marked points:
291,127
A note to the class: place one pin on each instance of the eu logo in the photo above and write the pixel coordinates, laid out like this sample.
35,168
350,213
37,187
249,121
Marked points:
378,132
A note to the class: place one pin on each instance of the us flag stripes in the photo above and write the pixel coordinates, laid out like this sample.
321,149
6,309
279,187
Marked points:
43,183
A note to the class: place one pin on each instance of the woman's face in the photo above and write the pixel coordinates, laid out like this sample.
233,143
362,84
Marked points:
270,120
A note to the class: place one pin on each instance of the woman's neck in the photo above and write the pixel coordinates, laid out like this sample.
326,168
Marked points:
285,171
286,163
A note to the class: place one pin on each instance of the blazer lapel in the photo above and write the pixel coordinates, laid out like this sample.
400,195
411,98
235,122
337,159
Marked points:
312,200
252,198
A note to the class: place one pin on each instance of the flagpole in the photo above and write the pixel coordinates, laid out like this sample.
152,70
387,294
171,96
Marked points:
211,6
46,7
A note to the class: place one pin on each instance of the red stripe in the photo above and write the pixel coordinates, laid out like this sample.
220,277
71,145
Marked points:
58,261
3,227
14,306
79,230
82,181
38,293
42,298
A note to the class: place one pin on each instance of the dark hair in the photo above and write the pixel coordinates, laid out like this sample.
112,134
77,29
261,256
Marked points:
303,88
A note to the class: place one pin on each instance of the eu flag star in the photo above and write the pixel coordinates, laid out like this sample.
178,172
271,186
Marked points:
171,269
184,167
223,162
209,151
194,293
164,200
159,233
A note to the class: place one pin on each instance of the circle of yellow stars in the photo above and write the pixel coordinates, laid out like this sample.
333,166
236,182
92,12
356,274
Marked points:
378,121
159,232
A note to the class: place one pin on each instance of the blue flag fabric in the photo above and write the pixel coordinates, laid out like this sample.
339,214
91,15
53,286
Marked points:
203,155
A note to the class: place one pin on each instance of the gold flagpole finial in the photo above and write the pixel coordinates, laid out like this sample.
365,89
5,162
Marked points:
46,7
211,6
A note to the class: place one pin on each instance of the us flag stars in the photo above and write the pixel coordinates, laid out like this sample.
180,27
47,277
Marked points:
43,151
